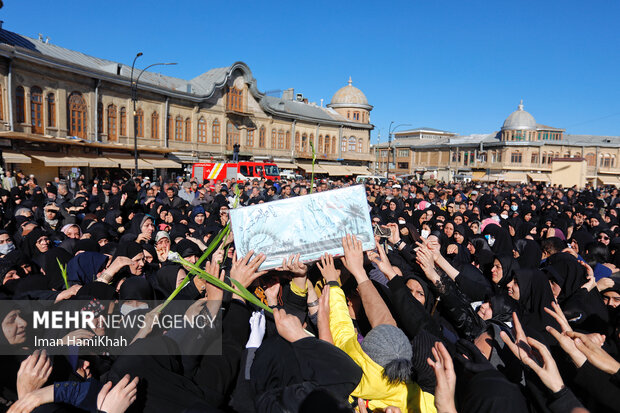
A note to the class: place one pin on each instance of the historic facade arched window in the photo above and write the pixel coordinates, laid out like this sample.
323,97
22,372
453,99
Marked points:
280,139
343,144
77,115
139,123
178,128
122,130
360,145
36,109
352,144
112,125
249,142
215,132
334,143
202,130
326,144
287,140
304,143
20,104
51,110
261,137
297,142
188,130
274,138
154,125
234,100
319,149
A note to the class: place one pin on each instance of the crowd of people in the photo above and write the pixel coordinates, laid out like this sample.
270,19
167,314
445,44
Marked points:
477,298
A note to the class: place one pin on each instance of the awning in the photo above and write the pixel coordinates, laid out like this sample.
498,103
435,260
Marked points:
307,167
14,157
358,170
129,163
336,170
101,162
539,177
57,160
515,177
286,165
608,180
163,163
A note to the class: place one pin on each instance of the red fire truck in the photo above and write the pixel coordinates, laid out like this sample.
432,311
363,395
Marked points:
240,171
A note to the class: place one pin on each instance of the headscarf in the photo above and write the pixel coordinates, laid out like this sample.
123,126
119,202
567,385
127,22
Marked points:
83,269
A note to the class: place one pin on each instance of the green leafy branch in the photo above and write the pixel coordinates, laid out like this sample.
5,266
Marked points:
63,272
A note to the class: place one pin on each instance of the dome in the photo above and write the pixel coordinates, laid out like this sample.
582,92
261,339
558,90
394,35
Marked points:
349,97
520,120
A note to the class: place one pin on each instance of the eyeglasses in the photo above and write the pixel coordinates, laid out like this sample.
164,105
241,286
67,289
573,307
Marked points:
603,237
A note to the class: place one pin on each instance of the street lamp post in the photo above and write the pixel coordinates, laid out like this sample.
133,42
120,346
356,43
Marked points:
134,98
390,131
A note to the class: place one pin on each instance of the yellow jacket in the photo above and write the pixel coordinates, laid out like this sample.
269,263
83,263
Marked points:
372,387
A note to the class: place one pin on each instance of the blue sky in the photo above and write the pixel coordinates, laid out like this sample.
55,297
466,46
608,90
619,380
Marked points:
461,66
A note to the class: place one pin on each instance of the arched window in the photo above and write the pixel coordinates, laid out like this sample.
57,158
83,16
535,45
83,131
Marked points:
349,114
606,160
202,130
311,139
36,109
352,144
154,125
123,122
326,146
261,137
360,145
234,100
232,134
343,144
178,128
188,130
280,139
356,115
112,127
297,142
51,110
304,143
334,148
99,118
140,123
77,115
287,140
215,133
613,161
274,138
319,149
249,142
20,104
170,123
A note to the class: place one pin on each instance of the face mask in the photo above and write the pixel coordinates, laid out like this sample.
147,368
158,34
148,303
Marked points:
504,216
126,308
490,240
425,233
401,222
6,248
514,207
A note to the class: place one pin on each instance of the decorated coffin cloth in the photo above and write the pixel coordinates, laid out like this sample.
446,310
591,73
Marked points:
310,225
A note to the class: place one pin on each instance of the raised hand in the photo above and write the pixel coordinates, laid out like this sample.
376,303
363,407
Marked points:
272,294
327,268
353,258
446,378
117,399
33,373
559,316
595,354
394,233
289,327
294,266
383,263
540,360
246,271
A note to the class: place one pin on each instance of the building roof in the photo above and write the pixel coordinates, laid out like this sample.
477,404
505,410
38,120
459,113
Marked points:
547,127
590,140
198,89
423,129
519,120
349,97
296,109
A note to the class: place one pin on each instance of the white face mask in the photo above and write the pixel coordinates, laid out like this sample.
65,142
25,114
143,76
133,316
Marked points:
401,222
425,233
490,240
126,308
6,248
504,216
